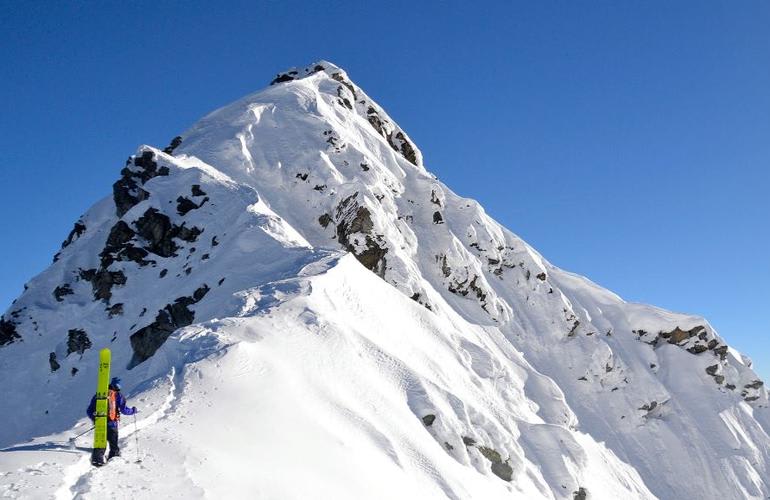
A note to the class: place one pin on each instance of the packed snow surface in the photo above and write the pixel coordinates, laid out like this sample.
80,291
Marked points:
299,309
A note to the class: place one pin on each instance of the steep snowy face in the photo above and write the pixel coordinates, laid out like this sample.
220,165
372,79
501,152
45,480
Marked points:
513,368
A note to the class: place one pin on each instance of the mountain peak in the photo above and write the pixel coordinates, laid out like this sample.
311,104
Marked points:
295,73
287,265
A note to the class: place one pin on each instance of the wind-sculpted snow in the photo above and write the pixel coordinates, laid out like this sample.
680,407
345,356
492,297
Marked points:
443,357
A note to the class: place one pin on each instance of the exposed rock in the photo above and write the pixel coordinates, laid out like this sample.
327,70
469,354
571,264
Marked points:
147,340
574,328
398,142
53,363
8,333
120,248
184,205
60,291
283,77
325,220
719,379
697,349
469,441
175,143
721,351
127,190
754,385
428,419
437,218
677,335
501,469
115,310
74,371
102,281
76,232
580,494
712,370
197,191
77,341
158,230
541,276
355,224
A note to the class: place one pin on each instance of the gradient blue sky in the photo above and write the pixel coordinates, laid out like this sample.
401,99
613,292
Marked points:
628,141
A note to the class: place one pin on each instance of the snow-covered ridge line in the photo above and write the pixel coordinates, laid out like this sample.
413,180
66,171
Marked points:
456,359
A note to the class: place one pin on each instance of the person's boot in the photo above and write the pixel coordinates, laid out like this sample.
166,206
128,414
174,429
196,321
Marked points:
113,453
97,457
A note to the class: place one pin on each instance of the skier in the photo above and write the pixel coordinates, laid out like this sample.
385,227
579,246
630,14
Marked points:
116,405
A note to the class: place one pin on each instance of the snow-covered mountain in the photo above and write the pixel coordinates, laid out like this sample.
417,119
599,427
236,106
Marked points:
301,310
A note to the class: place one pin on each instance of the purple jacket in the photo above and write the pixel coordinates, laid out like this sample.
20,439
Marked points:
120,401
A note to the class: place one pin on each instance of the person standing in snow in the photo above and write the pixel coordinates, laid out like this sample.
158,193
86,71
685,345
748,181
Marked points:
116,406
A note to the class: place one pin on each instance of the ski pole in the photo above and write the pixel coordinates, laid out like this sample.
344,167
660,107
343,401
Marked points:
136,435
84,432
73,439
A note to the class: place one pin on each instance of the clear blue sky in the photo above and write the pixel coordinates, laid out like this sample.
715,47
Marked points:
628,141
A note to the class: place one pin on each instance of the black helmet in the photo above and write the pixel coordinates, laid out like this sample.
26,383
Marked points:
115,383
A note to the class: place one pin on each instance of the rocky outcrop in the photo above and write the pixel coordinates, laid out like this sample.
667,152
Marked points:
102,282
127,191
52,362
159,232
355,232
8,333
77,341
76,232
61,291
175,143
696,340
147,340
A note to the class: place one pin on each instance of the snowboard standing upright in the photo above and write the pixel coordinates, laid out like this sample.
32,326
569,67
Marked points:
100,420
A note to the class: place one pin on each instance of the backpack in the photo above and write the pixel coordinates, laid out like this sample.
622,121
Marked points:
113,415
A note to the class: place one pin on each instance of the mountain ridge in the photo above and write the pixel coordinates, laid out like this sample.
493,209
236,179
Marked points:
221,223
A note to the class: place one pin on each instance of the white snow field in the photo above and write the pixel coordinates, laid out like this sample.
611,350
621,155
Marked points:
299,310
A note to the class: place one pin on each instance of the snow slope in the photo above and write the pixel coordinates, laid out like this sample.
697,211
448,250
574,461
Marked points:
302,310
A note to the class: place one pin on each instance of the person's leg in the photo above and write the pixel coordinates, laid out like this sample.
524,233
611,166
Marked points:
97,456
112,438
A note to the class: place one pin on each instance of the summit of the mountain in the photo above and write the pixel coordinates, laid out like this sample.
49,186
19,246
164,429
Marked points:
289,272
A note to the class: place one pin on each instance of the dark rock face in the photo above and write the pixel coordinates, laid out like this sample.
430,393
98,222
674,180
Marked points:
469,441
500,468
102,282
355,223
283,77
146,341
184,205
159,232
197,191
428,419
437,218
76,232
60,291
175,143
127,190
580,494
399,143
8,333
156,228
53,363
77,341
120,248
115,310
